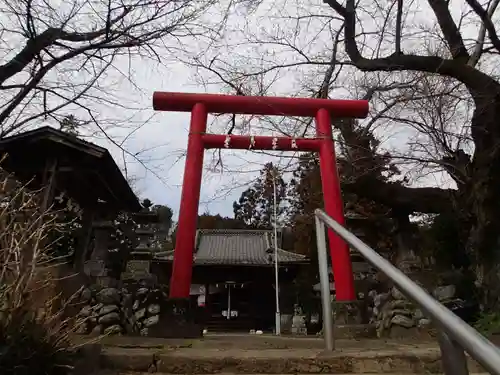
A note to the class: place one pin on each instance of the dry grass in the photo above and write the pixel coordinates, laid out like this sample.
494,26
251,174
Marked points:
34,337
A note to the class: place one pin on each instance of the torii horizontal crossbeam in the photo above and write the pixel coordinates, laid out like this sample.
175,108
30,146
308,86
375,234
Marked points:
200,106
258,105
258,142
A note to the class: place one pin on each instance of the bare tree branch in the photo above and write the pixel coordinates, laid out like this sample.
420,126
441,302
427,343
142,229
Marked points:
449,29
401,62
487,22
66,59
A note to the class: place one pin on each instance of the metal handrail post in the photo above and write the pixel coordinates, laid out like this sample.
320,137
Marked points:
324,281
452,355
479,348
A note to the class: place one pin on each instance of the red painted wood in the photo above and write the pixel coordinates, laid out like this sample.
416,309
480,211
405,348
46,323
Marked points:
200,105
182,268
332,197
243,142
258,105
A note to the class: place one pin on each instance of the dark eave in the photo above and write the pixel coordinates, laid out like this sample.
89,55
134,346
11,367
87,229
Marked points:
85,171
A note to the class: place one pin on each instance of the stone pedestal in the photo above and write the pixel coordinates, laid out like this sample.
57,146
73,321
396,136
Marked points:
286,323
107,282
298,321
348,312
137,270
179,318
95,268
299,325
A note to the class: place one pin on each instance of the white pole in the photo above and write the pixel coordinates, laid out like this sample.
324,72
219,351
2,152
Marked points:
324,282
228,301
276,280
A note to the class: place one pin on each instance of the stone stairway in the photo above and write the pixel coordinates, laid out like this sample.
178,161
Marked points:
222,325
245,354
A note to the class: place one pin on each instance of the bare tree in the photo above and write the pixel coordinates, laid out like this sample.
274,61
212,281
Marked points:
479,181
434,91
58,57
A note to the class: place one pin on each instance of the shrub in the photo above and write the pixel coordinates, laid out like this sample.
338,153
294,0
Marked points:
34,337
30,345
488,323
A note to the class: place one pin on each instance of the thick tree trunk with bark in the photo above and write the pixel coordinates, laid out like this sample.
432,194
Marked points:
476,201
483,191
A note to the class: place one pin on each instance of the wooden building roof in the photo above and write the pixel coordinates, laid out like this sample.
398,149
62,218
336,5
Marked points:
236,247
85,171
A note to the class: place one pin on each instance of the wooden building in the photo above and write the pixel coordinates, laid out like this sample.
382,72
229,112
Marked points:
62,162
234,277
52,162
59,162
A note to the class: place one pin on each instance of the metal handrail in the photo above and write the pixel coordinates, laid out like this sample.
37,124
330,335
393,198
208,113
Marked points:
455,335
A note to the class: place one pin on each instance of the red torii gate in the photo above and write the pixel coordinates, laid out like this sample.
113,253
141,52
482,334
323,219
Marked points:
200,105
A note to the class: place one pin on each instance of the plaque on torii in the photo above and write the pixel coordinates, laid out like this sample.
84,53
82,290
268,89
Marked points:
200,105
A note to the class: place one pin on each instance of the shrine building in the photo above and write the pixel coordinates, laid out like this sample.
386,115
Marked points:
234,277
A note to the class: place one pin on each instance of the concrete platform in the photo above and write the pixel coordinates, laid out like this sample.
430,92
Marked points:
249,342
250,354
418,360
111,372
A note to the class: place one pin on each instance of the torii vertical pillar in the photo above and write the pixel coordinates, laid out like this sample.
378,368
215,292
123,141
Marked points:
200,105
332,198
182,269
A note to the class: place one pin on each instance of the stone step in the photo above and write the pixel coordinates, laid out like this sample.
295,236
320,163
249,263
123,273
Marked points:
233,325
232,354
414,360
112,372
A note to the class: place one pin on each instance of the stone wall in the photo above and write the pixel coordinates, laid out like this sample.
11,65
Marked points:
395,316
129,309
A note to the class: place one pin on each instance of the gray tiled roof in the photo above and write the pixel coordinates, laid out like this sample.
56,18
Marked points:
236,247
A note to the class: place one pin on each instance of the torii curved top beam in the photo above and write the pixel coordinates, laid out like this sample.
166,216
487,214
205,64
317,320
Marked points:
258,105
200,105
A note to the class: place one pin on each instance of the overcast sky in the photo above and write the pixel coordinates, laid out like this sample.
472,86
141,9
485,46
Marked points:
159,139
164,137
164,134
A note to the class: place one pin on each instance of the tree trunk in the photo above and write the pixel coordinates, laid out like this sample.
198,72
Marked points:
483,246
484,204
